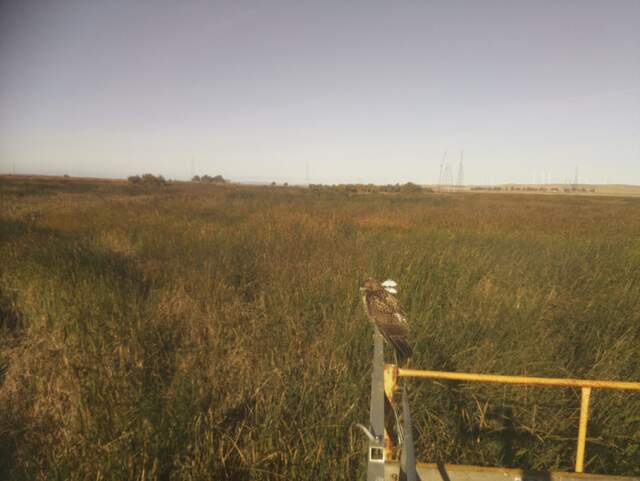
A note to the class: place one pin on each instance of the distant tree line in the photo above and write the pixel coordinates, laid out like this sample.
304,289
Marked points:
159,180
218,179
486,188
371,188
529,188
551,189
147,180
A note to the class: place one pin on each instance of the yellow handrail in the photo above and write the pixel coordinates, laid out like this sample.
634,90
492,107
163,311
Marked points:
537,381
393,372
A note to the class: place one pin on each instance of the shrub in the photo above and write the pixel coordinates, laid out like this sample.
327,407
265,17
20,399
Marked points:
147,180
411,187
218,179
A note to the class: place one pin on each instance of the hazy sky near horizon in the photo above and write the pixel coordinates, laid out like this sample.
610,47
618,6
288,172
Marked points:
364,91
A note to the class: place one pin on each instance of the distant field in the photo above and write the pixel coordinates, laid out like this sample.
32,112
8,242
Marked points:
559,189
595,189
197,332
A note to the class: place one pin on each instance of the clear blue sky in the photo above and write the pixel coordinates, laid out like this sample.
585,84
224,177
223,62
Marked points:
358,90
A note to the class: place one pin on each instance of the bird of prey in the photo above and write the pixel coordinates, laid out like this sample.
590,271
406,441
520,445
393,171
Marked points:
384,310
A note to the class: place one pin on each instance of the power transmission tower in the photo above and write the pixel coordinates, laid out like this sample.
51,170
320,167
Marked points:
460,179
307,172
447,177
575,178
442,170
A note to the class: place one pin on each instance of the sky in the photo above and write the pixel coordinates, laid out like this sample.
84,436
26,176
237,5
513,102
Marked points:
346,91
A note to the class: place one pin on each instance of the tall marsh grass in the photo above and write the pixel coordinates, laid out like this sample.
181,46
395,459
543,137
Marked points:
207,332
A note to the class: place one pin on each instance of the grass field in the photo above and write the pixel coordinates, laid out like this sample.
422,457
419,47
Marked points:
197,332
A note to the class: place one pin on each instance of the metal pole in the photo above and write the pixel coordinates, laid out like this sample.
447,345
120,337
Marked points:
407,456
375,463
582,432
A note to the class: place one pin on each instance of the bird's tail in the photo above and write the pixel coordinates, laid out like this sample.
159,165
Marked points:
402,348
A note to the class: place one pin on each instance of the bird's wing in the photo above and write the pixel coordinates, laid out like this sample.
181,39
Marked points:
393,304
386,312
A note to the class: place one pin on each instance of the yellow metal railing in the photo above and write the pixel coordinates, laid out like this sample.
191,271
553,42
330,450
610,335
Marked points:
392,373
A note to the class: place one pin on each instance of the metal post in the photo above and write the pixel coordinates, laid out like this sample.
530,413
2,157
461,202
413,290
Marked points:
375,463
582,432
408,456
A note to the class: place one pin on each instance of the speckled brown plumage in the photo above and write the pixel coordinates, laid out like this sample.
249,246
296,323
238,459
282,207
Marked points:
386,313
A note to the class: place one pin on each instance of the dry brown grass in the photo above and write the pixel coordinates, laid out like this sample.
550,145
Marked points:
214,332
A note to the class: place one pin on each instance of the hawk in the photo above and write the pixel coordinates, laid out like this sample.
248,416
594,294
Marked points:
384,310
